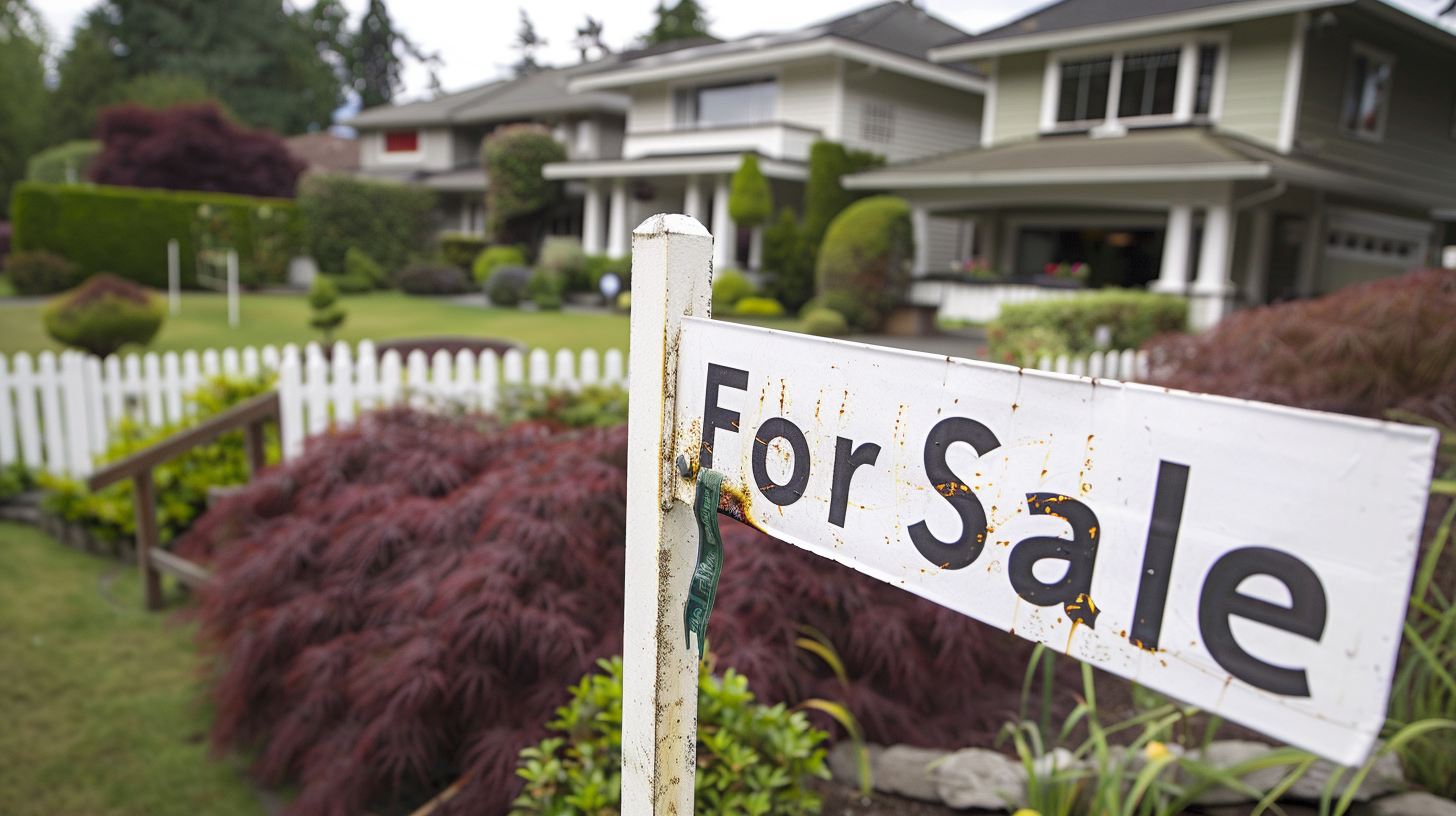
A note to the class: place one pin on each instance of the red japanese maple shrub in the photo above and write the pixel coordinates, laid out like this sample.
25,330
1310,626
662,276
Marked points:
408,602
1361,350
191,147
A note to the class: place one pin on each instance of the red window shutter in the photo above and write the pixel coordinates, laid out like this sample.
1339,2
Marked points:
402,141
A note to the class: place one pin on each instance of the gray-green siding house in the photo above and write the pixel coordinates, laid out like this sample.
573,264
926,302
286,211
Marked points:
1237,152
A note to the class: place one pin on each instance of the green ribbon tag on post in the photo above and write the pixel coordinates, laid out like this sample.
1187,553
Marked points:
704,586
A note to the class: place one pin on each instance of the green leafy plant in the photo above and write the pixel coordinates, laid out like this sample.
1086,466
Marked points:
758,307
823,322
864,261
729,287
563,256
459,249
819,643
752,759
493,257
518,195
431,279
750,200
15,478
391,223
544,288
1132,316
41,273
323,299
104,314
789,261
595,406
362,272
506,286
824,196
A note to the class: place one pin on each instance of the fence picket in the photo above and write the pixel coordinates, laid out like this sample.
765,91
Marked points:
1140,366
540,368
27,417
172,386
230,363
114,389
389,378
1094,364
515,367
152,387
8,450
78,431
48,382
191,378
95,406
565,369
250,362
1062,364
489,379
465,383
591,366
290,403
442,387
211,364
270,358
366,376
343,384
417,378
316,389
614,373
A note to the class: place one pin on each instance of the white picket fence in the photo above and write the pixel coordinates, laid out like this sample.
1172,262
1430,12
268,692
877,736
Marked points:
56,410
1127,365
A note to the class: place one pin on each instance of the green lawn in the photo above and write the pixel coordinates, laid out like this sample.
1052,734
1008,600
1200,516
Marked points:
100,702
280,319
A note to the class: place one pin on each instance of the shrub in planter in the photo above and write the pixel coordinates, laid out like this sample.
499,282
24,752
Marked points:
824,322
363,272
494,257
752,758
431,279
759,307
41,273
507,285
563,255
729,287
459,249
1132,316
104,314
544,289
865,258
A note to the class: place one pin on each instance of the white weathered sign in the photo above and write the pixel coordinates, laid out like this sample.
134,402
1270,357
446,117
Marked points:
1250,559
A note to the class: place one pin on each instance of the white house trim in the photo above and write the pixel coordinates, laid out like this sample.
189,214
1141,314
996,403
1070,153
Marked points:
773,56
1293,81
988,106
670,166
1219,171
1141,27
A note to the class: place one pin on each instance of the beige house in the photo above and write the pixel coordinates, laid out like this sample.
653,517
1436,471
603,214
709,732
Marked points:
1237,152
863,80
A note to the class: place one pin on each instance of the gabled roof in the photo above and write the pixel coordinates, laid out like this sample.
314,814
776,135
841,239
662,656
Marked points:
894,35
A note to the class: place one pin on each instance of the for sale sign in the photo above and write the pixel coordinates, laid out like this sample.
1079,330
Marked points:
1250,559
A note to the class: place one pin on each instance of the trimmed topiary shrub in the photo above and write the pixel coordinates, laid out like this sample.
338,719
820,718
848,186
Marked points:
788,261
759,307
391,223
507,285
431,279
459,249
41,273
563,255
750,201
493,257
752,758
824,322
104,314
544,288
729,287
1361,350
1069,324
864,262
323,299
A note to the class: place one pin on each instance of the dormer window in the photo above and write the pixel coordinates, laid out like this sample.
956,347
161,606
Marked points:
1153,83
741,103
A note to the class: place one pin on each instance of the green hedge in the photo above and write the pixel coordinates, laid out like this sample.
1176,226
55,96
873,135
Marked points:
392,223
1024,331
124,230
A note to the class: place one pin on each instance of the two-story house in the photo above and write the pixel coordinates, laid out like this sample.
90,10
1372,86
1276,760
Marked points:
862,80
1236,151
436,143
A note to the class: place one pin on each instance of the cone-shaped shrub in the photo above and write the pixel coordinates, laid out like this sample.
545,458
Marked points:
103,314
411,599
750,201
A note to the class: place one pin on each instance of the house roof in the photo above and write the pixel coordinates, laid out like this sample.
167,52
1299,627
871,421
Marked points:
1172,155
324,152
895,35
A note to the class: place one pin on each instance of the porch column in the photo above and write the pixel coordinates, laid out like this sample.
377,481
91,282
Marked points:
1213,288
725,232
693,198
591,219
1173,275
755,247
1256,276
920,231
617,220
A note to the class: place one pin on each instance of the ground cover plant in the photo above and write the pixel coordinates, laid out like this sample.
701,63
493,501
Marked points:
408,603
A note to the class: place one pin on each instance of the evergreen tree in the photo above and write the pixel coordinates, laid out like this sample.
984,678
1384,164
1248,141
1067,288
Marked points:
527,42
375,60
589,36
750,200
683,21
22,92
90,77
824,196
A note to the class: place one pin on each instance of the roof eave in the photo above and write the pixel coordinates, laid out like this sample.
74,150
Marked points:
891,179
1125,29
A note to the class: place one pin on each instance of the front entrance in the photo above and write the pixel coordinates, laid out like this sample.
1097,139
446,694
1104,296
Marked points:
1113,256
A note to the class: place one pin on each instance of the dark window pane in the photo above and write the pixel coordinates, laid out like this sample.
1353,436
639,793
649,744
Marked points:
1083,94
1149,83
1207,63
746,104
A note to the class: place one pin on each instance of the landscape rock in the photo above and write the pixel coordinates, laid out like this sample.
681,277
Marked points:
1384,778
1415,803
979,778
844,766
905,771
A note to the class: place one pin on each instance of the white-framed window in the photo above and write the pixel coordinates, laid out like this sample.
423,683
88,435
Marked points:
1151,82
1367,93
751,102
877,122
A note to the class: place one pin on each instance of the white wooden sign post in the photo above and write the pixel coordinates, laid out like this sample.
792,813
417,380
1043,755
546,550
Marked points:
1250,559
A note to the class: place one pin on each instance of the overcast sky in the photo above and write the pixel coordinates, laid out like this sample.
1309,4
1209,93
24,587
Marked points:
474,36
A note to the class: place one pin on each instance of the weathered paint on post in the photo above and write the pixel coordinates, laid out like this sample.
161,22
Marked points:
659,684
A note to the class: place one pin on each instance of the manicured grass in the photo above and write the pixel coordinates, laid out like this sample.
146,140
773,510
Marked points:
280,319
101,703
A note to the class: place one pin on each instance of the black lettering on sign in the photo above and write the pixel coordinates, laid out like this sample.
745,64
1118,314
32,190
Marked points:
1152,597
1075,588
715,417
964,550
846,459
792,490
1220,599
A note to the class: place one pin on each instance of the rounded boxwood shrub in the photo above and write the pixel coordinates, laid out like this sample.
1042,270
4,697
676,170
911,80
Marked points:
729,287
494,257
752,758
507,285
431,279
104,314
42,273
824,322
563,255
866,258
759,307
544,289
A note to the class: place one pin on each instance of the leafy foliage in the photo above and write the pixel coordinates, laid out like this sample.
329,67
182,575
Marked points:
590,407
460,249
407,602
431,279
104,314
789,260
391,223
363,272
191,147
506,286
125,230
518,195
824,322
1024,331
599,266
750,201
729,287
751,758
41,273
824,197
1364,349
544,288
15,478
22,92
67,163
494,257
686,20
563,255
323,299
759,307
864,261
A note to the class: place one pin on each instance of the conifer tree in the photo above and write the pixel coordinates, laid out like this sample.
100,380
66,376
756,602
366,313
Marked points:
683,21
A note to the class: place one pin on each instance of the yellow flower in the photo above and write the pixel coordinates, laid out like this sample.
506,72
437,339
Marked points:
1155,750
1026,812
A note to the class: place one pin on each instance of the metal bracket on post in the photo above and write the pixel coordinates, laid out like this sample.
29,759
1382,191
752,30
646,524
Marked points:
672,273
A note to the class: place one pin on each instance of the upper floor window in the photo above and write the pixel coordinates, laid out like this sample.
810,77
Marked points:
1175,82
1367,96
743,103
402,141
877,122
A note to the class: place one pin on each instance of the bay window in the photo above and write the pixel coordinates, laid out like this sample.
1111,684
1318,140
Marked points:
1162,82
